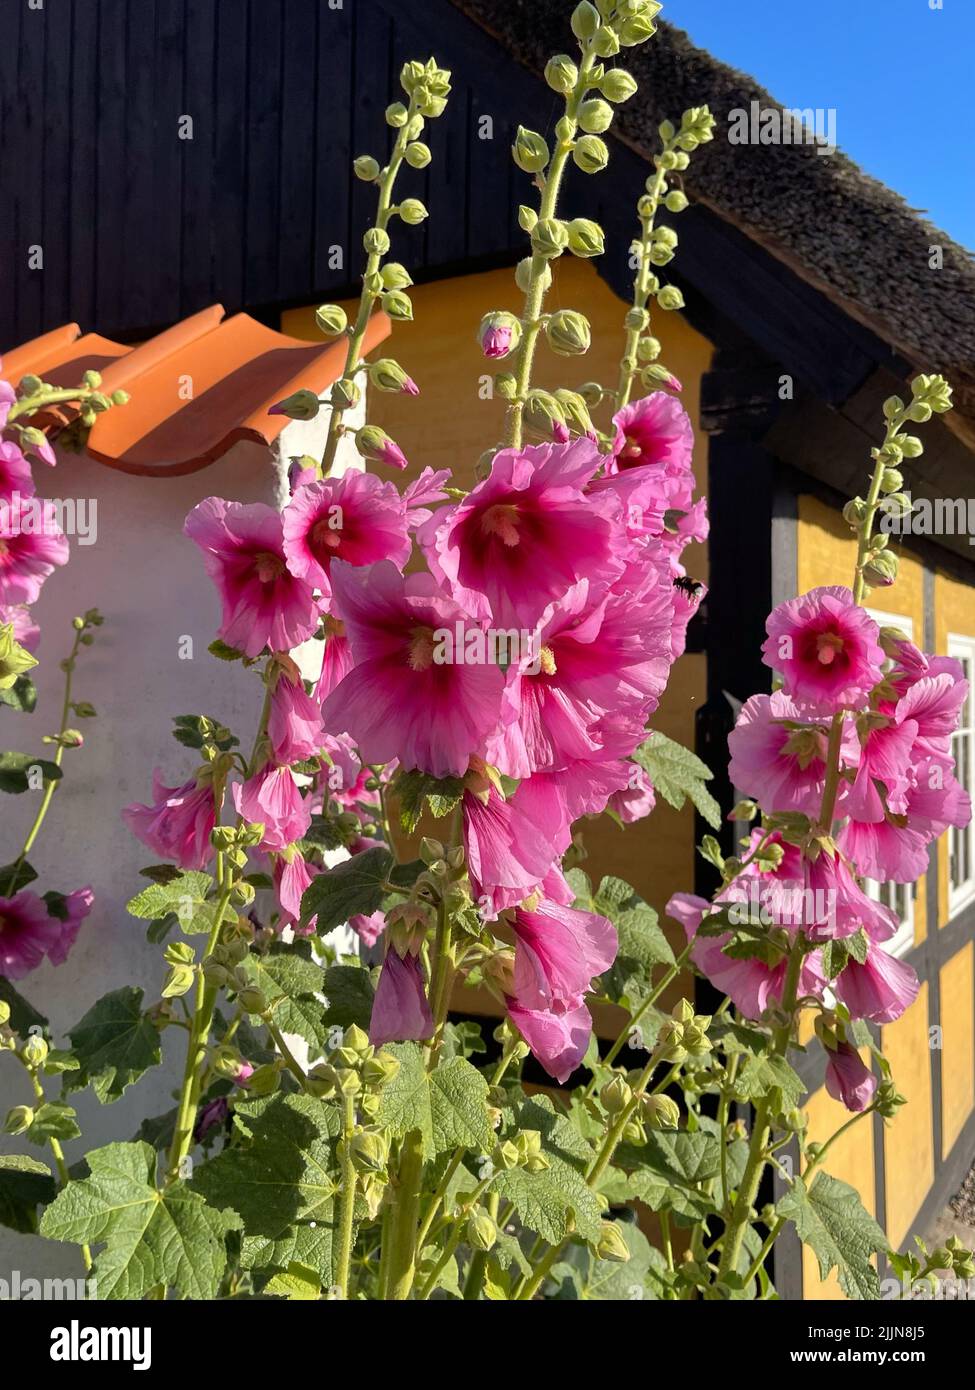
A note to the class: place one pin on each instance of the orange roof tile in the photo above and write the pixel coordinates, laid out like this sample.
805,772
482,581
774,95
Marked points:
195,389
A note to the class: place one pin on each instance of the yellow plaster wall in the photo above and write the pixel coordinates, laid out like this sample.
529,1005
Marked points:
851,1159
958,1045
450,426
908,1142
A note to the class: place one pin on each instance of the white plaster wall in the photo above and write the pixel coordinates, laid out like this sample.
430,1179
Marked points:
148,581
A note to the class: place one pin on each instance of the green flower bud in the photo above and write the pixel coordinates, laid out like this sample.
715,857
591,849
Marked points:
670,298
543,413
577,415
398,305
911,446
881,568
505,386
506,1155
345,394
418,155
499,335
366,168
385,374
855,512
413,212
920,412
637,30
252,1000
369,1151
586,238
595,116
561,74
396,276
331,319
14,659
591,392
550,237
615,1095
527,217
215,974
524,271
302,405
35,1050
568,333
585,20
265,1081
611,1245
430,850
637,319
530,151
675,201
357,1039
591,154
120,397
934,391
18,1120
396,115
606,42
481,1232
892,480
618,86
376,241
893,406
898,504
661,1112
649,349
379,1069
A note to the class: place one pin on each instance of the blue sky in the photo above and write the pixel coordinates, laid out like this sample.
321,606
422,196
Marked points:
899,74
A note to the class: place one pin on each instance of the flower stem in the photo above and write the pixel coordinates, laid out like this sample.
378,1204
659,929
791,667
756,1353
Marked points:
347,1197
641,283
58,1155
402,1257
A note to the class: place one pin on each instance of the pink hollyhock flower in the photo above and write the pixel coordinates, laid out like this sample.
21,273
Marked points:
336,659
636,801
292,876
356,518
16,478
7,398
880,989
26,631
294,724
27,934
399,701
400,1010
595,654
826,648
31,545
558,953
526,534
751,985
848,1079
427,488
779,759
264,604
211,1115
272,798
558,1040
346,777
73,908
178,823
933,704
885,774
655,432
895,849
822,899
688,597
508,855
368,929
551,801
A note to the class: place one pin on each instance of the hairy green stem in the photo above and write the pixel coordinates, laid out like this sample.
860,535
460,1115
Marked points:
346,1197
402,1258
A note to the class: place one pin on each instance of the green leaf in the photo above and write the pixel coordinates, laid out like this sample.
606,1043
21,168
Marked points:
677,774
297,1283
15,876
770,1077
642,943
53,1119
185,898
414,788
832,1221
290,982
224,653
114,1043
194,730
23,1016
405,1101
15,772
171,1238
348,997
354,886
25,1185
609,1282
546,1200
281,1180
458,1103
462,1039
21,696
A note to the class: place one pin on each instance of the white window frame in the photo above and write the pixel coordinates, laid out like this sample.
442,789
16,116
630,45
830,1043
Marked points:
962,648
903,939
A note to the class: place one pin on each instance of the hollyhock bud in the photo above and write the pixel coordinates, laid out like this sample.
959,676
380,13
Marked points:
396,115
595,116
418,155
366,168
15,660
345,394
302,405
331,319
396,277
374,443
585,20
590,154
530,151
398,306
561,74
656,374
35,1051
568,333
848,1079
576,412
615,1095
550,237
19,1120
618,86
481,1231
675,201
413,212
387,375
499,334
611,1245
661,1112
670,298
400,1010
586,238
881,568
